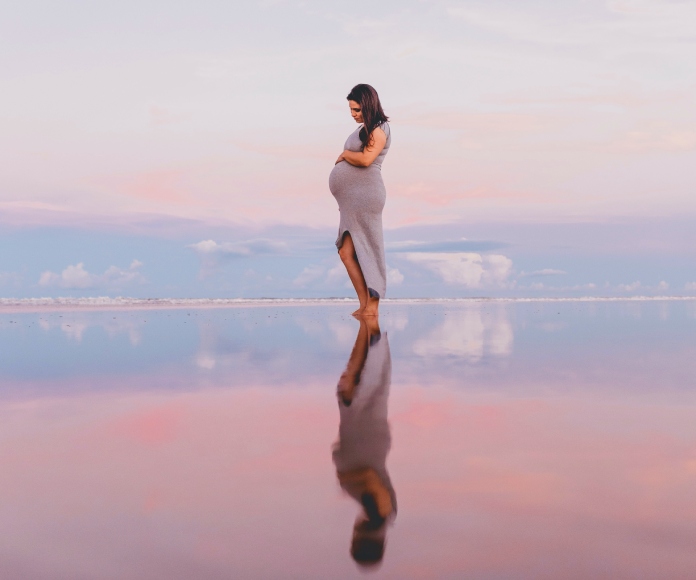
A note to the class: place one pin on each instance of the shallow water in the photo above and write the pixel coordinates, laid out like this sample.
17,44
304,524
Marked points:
524,440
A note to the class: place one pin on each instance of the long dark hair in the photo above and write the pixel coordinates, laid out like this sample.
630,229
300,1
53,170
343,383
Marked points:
373,115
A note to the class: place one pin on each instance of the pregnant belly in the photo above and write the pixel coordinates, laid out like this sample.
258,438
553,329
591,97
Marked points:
340,176
361,186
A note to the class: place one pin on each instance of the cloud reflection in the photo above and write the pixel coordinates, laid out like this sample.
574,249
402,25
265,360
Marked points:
577,453
472,332
75,325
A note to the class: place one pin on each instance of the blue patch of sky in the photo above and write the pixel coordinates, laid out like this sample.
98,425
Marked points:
601,254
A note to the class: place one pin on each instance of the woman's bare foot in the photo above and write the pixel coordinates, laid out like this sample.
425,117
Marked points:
372,307
372,325
358,312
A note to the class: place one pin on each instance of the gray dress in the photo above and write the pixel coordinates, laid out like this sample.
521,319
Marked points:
364,437
360,194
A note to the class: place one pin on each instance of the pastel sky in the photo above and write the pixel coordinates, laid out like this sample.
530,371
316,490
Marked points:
183,149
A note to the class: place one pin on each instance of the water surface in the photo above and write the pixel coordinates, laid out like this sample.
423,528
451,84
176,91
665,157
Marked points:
500,440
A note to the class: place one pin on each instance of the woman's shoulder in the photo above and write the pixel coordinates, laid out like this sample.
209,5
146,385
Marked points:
385,127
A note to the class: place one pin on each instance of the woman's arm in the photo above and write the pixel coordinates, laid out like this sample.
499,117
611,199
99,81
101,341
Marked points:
365,158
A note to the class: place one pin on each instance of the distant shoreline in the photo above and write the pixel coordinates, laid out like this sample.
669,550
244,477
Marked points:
105,303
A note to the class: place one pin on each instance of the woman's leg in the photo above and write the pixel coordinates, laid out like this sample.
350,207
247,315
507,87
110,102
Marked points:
368,305
350,261
351,376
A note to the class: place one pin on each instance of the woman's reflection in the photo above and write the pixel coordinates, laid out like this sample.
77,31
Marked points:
360,454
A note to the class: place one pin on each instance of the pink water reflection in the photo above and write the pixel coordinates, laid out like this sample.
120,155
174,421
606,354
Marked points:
503,482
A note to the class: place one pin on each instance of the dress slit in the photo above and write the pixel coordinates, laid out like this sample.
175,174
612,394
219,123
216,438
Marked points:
339,244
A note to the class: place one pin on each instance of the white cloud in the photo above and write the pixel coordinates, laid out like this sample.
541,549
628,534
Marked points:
394,277
574,288
72,277
75,276
116,277
543,272
661,287
213,254
245,248
205,361
309,274
204,246
337,274
690,286
466,269
318,275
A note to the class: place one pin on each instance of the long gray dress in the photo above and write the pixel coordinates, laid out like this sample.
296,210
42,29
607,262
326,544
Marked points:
360,194
364,437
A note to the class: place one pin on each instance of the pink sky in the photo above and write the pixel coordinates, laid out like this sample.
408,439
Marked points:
551,111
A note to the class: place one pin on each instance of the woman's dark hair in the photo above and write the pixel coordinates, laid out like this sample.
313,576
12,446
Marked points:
373,115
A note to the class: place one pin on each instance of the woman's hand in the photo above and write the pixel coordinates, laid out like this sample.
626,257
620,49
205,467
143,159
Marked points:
365,158
340,158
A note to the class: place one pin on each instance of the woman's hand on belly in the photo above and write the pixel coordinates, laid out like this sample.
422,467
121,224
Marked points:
340,158
365,157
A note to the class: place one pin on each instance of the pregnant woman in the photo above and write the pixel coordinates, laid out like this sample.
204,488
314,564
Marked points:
356,183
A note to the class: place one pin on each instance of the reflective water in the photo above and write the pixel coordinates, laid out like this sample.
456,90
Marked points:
464,440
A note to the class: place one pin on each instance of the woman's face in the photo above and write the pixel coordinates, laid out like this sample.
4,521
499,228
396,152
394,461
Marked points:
356,111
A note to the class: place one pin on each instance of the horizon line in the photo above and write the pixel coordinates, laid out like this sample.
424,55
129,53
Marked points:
106,303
